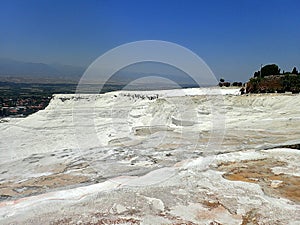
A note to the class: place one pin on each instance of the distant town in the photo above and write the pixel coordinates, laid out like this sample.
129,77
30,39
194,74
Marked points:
23,99
22,106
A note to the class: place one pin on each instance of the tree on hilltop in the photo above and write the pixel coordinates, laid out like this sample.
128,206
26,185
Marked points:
295,71
271,69
256,74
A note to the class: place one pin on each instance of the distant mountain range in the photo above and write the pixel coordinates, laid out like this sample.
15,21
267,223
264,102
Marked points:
30,70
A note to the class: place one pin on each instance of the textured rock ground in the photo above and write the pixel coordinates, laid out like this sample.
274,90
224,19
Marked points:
153,161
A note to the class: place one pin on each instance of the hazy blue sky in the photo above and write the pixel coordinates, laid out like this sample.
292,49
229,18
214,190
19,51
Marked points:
233,36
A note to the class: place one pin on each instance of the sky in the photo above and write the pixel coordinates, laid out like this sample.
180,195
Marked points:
234,37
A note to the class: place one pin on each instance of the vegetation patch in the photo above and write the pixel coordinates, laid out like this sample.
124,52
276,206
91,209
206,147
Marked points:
270,80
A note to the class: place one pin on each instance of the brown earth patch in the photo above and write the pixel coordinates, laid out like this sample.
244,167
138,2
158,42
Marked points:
250,218
214,212
39,185
260,172
211,204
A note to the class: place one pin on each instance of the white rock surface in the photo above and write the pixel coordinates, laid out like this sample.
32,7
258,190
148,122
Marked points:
148,156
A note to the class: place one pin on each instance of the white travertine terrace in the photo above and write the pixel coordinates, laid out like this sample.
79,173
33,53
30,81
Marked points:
150,163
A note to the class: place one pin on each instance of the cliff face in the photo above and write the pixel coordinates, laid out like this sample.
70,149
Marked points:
274,83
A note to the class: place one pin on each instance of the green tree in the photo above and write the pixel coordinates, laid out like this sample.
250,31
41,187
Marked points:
295,71
256,74
271,69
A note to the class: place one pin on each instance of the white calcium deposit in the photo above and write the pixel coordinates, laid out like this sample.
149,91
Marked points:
149,158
